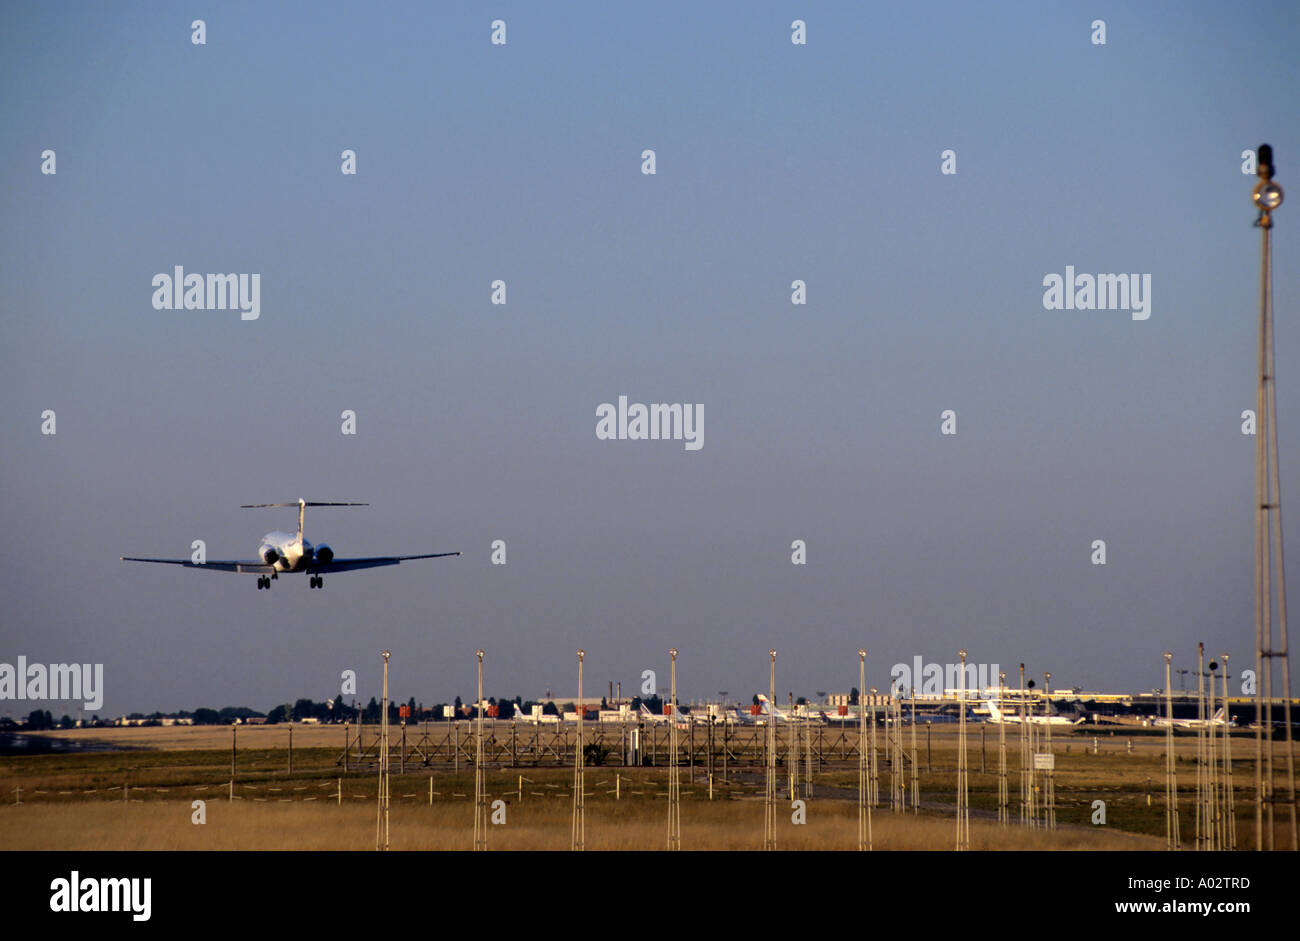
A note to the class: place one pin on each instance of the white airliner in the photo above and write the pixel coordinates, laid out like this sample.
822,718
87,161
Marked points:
1217,719
997,717
289,552
536,718
654,718
769,710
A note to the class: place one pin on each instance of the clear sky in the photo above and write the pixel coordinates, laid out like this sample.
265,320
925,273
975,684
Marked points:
476,422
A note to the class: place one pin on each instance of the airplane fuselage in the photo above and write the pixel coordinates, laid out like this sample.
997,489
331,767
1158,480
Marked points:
289,552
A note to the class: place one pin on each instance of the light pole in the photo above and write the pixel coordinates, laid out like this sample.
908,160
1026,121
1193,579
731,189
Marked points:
674,792
864,806
769,813
1269,568
579,841
963,797
381,824
1172,838
1230,802
480,792
1003,801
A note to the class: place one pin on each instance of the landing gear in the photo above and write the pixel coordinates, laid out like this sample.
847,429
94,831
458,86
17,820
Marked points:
318,581
263,582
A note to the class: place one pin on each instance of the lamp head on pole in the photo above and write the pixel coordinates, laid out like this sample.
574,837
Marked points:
1267,196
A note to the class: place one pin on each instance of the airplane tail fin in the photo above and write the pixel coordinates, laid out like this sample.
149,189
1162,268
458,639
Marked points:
302,507
994,712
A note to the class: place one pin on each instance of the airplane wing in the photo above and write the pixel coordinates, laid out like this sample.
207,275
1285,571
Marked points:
256,567
253,567
350,565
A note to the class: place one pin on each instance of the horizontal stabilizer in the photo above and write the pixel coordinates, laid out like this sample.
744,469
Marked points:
254,506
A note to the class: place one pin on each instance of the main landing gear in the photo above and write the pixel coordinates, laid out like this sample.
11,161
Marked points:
264,581
317,581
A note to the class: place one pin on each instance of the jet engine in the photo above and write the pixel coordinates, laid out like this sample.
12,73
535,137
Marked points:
269,555
324,554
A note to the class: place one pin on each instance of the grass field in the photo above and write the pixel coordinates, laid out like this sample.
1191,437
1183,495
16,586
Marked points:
142,798
537,825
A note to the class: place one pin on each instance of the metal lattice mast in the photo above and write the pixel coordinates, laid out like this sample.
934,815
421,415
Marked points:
1172,838
900,756
674,790
480,793
792,752
1035,798
891,748
1049,790
1269,569
873,774
1004,802
916,772
1216,809
1026,779
897,794
864,803
963,796
381,823
769,811
579,841
1202,778
1229,798
808,756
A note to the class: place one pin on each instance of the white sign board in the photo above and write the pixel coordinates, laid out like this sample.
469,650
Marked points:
1045,762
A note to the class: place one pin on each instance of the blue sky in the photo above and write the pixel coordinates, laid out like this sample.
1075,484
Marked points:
476,422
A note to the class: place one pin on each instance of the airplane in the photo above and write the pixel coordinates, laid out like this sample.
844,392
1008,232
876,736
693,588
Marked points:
651,718
739,716
289,552
996,717
535,718
852,717
769,709
1217,720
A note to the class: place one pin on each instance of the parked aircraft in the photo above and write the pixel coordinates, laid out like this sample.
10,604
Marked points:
998,717
1217,719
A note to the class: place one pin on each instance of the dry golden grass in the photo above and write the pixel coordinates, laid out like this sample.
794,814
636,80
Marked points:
75,799
534,825
205,737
